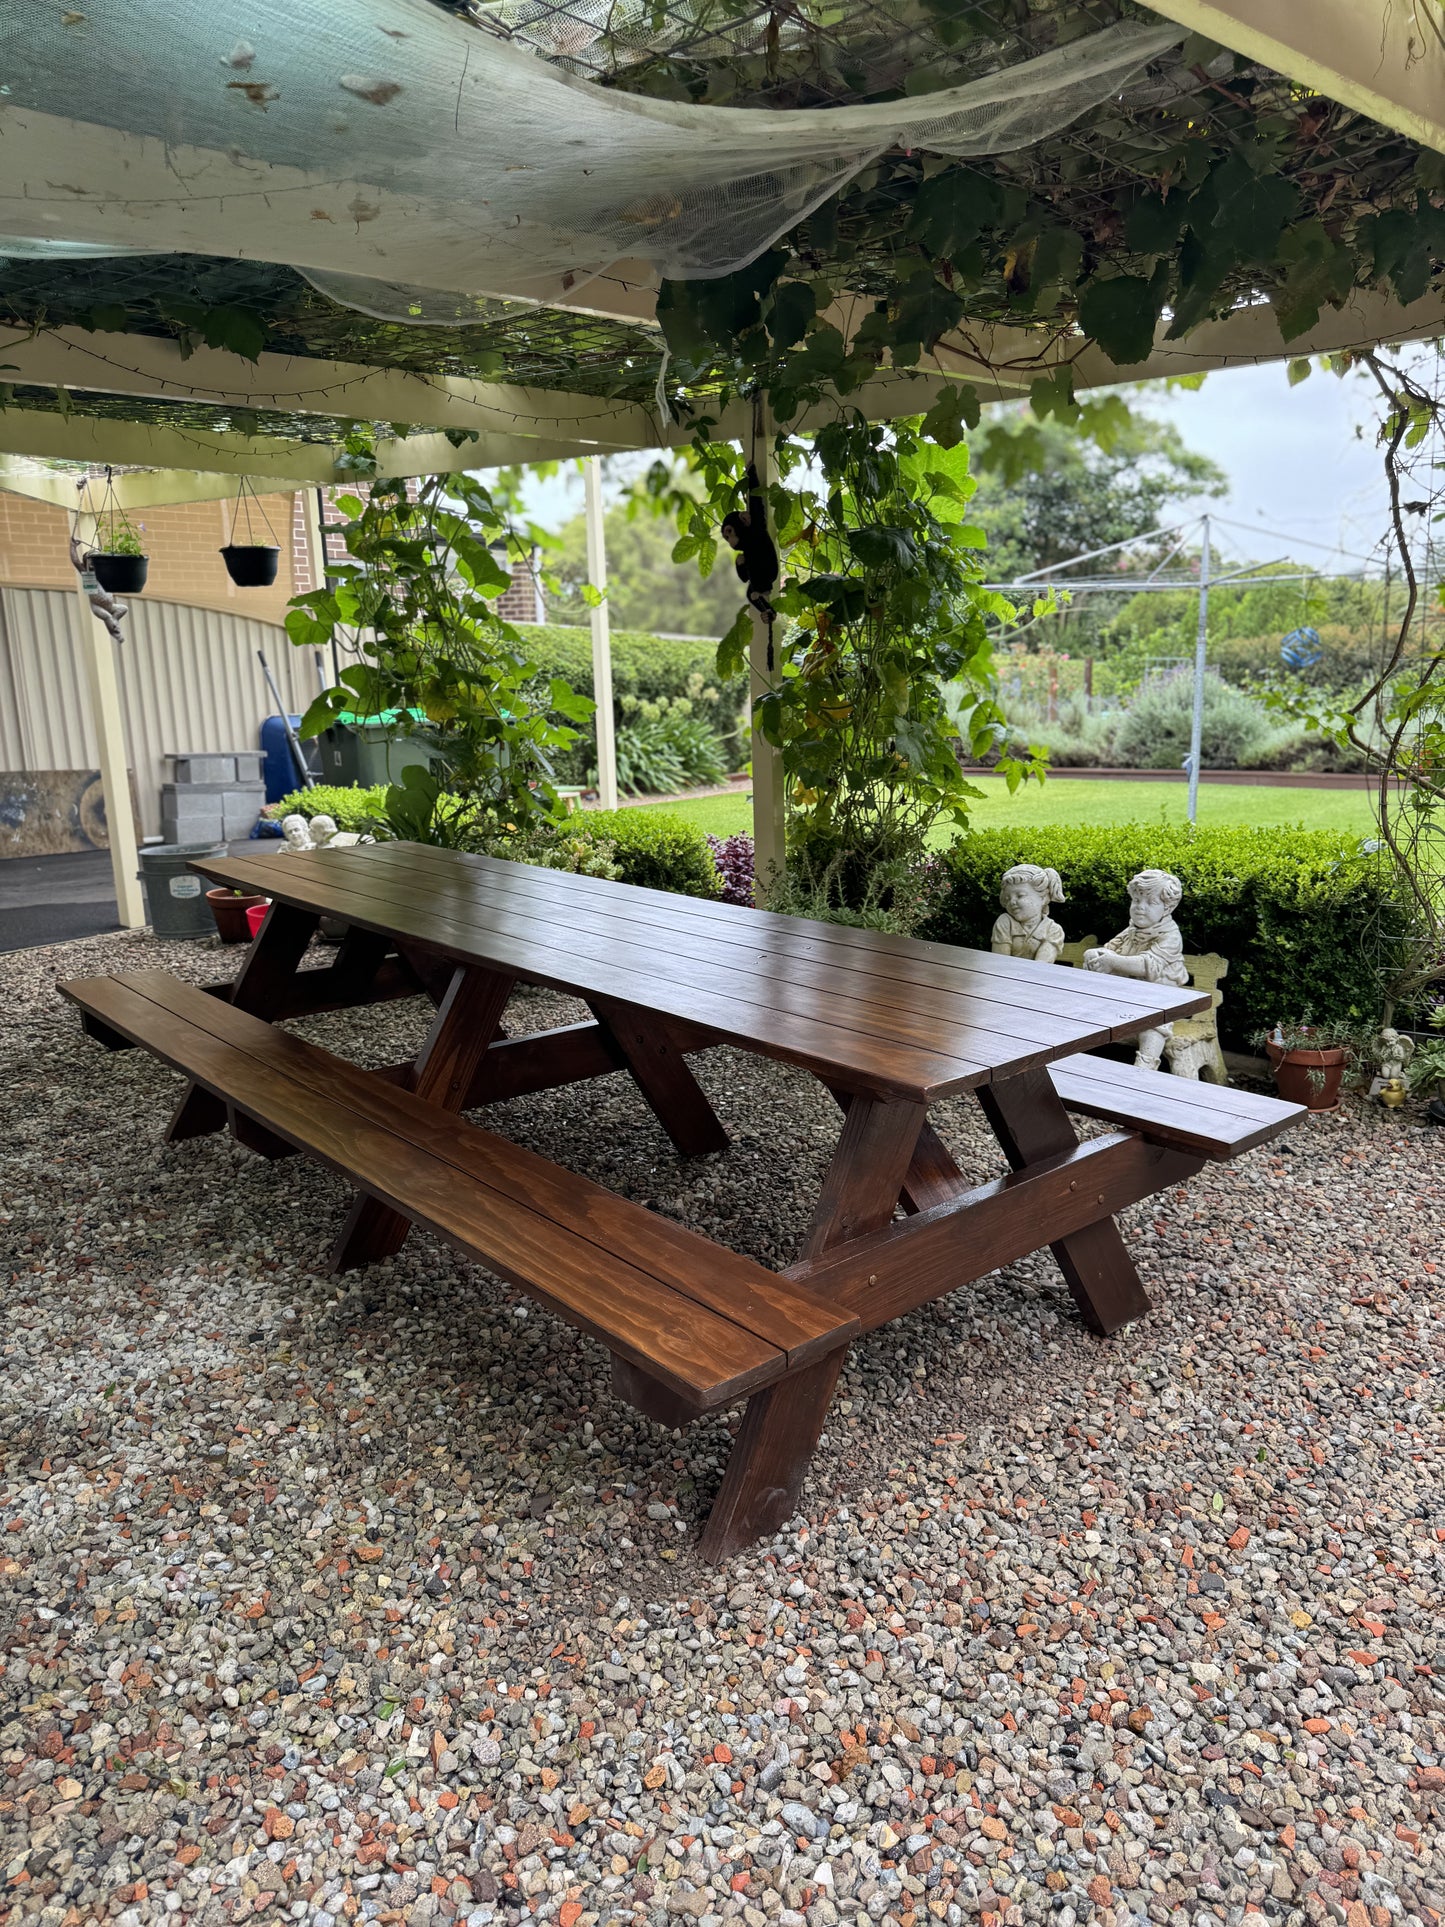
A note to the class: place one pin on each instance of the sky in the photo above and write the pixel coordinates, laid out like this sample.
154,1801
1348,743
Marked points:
1301,461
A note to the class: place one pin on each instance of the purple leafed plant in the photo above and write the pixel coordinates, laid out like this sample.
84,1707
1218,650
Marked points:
733,856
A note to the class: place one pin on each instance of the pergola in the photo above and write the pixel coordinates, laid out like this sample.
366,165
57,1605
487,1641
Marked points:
105,369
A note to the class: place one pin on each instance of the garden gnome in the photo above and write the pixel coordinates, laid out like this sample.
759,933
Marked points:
1151,950
1026,929
297,832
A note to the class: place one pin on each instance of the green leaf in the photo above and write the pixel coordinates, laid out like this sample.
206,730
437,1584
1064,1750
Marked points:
323,711
732,651
954,412
1153,224
237,330
1299,370
881,547
567,702
1251,208
792,307
1122,314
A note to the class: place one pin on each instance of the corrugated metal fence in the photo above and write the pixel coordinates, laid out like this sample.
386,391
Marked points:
189,679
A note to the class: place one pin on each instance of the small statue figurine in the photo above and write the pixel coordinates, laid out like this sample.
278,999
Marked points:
297,832
1151,950
1395,1054
323,831
1026,929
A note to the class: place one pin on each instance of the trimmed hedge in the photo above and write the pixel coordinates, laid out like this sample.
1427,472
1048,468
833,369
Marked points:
660,852
1307,921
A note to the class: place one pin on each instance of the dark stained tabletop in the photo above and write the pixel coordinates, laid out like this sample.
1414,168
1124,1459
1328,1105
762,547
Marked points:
862,1008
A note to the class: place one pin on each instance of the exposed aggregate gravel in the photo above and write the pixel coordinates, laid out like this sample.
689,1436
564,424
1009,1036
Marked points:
364,1599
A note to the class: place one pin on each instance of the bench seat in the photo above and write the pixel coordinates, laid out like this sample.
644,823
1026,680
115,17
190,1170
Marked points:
702,1323
1212,1120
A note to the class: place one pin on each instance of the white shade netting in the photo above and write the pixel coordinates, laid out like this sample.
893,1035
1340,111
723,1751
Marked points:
393,152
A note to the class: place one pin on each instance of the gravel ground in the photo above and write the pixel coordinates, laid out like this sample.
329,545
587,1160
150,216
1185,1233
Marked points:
330,1601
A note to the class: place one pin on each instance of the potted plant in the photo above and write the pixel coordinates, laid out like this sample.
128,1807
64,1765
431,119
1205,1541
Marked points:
251,564
1309,1062
120,565
1426,1072
229,908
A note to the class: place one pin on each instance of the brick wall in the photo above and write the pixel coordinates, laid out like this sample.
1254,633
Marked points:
181,540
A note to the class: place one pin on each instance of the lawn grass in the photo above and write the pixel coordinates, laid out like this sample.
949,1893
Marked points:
1087,800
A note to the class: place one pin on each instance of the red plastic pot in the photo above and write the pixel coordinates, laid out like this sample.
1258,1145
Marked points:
256,916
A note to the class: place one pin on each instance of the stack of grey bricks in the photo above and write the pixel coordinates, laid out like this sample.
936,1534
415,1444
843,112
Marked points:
215,797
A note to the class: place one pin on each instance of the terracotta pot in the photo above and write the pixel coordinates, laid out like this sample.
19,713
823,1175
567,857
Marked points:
229,910
1308,1077
119,574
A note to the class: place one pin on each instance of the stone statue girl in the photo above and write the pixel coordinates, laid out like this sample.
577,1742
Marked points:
1150,951
1026,929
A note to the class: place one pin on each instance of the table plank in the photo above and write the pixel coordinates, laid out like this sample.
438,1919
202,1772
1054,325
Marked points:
971,1002
886,952
1007,1036
816,1044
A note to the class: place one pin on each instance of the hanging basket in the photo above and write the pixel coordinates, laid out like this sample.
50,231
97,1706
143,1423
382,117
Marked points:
119,574
251,566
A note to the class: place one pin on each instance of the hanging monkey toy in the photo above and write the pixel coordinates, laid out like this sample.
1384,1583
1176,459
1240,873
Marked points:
746,531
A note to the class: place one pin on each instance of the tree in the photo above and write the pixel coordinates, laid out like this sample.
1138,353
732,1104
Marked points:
647,590
1048,491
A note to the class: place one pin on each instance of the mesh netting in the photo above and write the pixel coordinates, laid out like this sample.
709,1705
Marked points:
393,152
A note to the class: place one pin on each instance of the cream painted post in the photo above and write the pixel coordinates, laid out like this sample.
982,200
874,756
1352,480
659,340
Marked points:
769,844
601,638
109,725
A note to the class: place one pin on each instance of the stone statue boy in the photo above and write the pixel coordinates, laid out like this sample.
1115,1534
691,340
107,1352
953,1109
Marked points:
1026,929
1151,950
297,832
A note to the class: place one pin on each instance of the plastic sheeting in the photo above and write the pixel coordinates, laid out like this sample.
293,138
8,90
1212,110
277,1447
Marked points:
388,149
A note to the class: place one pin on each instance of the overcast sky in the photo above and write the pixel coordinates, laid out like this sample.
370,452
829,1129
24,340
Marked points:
1300,460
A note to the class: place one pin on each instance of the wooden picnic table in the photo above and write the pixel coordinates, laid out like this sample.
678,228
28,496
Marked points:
889,1024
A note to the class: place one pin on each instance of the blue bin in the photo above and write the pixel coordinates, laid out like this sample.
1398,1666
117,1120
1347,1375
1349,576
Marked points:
278,765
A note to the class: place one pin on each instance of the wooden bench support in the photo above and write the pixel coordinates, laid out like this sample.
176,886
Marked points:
661,1073
446,1067
1031,1124
902,1266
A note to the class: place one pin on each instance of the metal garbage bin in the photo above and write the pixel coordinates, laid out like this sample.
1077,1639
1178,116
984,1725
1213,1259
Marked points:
175,896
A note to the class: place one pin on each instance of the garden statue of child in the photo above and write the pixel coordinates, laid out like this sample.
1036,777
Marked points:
1026,929
297,832
1395,1053
323,831
1151,950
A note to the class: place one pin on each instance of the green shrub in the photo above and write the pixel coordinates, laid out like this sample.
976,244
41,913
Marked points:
1307,921
350,806
663,746
1154,731
645,669
658,851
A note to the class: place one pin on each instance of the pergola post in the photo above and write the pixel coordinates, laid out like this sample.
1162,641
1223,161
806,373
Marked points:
769,836
601,637
109,725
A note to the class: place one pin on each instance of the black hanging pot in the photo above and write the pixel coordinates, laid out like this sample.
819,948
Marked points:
250,566
119,574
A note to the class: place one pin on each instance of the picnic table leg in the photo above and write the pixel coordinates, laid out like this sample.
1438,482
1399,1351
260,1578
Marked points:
1030,1122
781,1424
662,1074
271,964
466,1021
